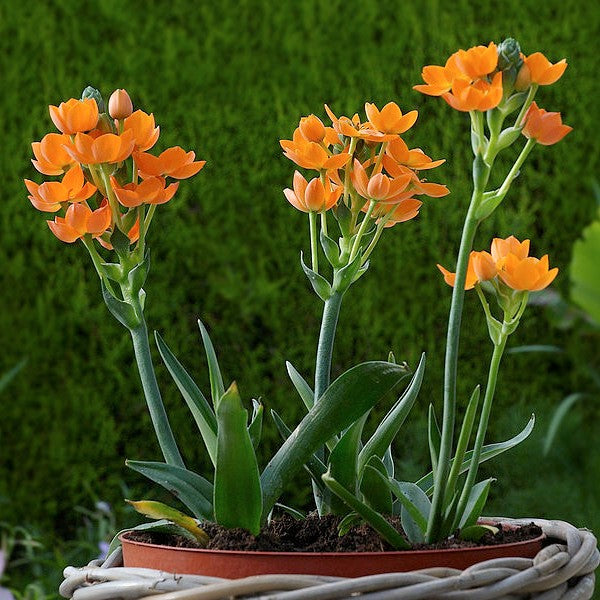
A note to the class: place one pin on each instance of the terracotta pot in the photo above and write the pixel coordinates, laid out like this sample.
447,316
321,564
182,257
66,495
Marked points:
234,565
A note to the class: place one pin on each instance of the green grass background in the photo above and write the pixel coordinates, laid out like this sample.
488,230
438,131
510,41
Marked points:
229,80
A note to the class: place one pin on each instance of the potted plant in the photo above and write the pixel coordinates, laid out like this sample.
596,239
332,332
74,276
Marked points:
367,180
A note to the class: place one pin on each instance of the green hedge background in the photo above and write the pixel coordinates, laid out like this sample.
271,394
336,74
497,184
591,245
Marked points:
229,80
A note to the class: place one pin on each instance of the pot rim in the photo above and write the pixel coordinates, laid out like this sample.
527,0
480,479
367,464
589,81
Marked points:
370,554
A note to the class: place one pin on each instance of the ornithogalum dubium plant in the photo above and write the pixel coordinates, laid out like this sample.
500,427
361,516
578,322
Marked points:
359,181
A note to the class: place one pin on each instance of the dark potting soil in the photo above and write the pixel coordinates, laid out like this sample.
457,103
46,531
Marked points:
319,534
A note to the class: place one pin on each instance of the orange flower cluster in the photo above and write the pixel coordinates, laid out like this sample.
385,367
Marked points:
91,153
471,79
364,161
508,262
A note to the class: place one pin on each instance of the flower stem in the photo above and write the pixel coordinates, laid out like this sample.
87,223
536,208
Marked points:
512,174
141,348
361,231
312,219
331,312
483,424
530,96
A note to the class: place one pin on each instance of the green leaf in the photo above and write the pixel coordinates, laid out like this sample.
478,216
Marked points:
415,507
137,276
120,242
375,491
585,283
534,348
557,418
318,282
508,137
375,520
434,438
345,400
158,510
297,514
388,461
487,452
344,217
348,522
387,430
475,504
344,277
114,271
122,311
162,526
255,427
331,250
302,387
313,465
343,458
11,374
236,472
194,398
191,489
217,388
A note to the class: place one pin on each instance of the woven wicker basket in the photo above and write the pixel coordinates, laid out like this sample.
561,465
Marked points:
564,569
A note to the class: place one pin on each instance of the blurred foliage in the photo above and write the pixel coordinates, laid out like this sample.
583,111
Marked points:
229,80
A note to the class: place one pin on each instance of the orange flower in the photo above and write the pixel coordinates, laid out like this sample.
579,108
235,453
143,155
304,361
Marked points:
120,105
378,187
49,195
544,127
480,95
145,133
311,155
415,159
527,274
439,79
484,265
470,281
80,220
478,61
390,118
355,129
511,245
538,69
313,196
312,128
52,158
75,116
103,148
405,210
173,162
150,191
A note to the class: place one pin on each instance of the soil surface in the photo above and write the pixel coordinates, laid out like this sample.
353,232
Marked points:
318,534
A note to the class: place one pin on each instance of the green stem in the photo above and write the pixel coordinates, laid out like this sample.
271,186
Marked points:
483,424
331,312
530,96
112,199
377,166
348,170
481,173
324,222
312,219
361,231
512,174
141,348
97,261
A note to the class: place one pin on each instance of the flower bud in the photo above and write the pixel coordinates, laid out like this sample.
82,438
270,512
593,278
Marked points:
510,62
92,92
120,105
523,80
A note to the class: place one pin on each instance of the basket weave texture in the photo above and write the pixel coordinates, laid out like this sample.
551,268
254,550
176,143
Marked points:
564,569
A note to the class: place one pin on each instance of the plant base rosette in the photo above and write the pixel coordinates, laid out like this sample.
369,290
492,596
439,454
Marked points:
233,564
563,568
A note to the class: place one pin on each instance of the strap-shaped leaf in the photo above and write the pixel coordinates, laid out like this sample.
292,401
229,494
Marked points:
344,456
217,388
475,504
376,492
388,461
416,506
375,520
120,310
237,494
314,465
345,400
557,418
434,438
255,427
302,387
318,282
199,407
160,511
387,430
487,452
191,489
